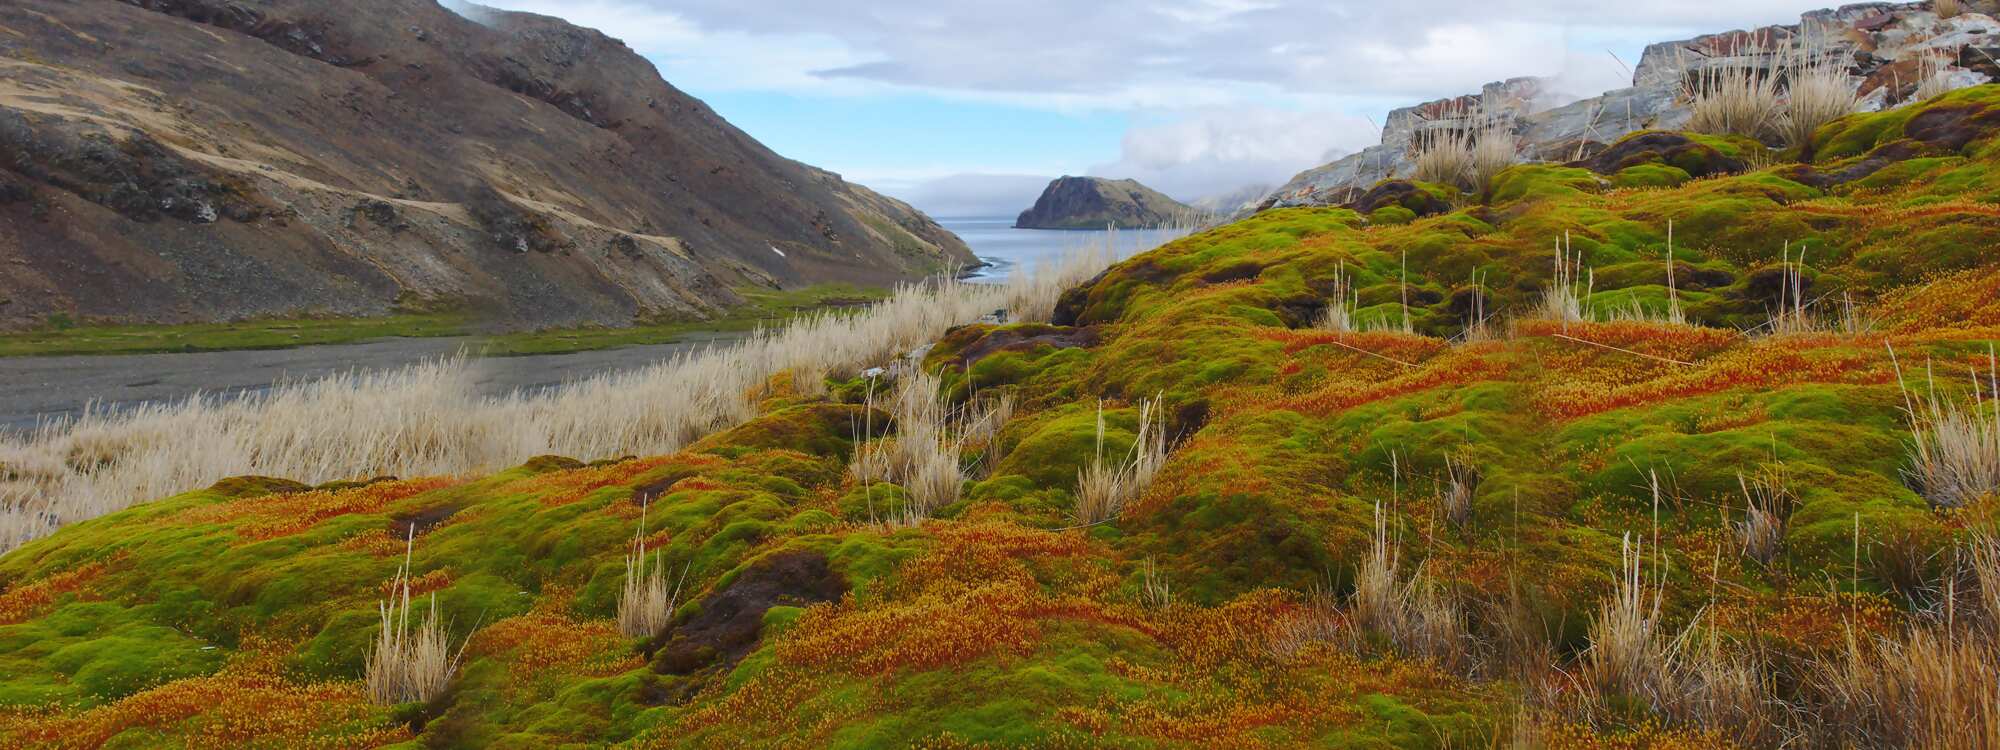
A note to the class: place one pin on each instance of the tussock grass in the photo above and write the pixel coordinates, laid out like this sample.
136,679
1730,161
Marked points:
1493,152
1154,589
1934,77
425,420
1947,8
1629,654
406,665
1563,299
1768,504
1954,448
1421,617
645,603
1104,488
1734,98
1444,156
1460,483
1819,91
1783,94
1929,688
924,457
1339,314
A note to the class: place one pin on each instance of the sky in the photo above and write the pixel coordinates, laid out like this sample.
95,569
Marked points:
969,108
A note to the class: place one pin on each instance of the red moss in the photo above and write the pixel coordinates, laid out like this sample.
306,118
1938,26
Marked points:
249,703
22,603
274,516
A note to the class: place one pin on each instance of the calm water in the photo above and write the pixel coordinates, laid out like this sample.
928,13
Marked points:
996,241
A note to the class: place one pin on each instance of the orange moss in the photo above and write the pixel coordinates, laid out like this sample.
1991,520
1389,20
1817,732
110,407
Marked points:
274,516
546,644
1814,622
1682,343
1402,347
433,581
1767,365
22,603
1458,368
565,487
376,542
248,703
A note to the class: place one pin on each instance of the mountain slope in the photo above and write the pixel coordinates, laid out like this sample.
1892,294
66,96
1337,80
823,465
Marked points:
1095,202
199,159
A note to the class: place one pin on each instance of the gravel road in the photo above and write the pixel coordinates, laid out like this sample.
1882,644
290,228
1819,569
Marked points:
33,389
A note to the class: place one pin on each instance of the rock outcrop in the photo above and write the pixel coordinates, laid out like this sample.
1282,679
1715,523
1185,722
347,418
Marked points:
1884,41
191,160
1095,203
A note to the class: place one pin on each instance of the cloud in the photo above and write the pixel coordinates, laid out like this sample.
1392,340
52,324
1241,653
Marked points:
1221,93
1116,51
972,195
1222,151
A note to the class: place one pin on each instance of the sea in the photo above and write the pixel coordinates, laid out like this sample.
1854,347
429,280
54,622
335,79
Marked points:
1009,251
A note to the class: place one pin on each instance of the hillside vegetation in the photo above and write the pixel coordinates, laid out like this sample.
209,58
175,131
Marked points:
1518,468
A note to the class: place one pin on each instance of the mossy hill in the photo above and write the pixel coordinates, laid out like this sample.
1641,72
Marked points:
242,613
1096,203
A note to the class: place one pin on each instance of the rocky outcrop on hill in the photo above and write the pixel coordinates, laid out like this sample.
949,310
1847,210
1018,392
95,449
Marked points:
185,160
1884,41
1095,203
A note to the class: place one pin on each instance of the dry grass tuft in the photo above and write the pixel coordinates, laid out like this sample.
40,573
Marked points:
1926,689
1947,8
1421,618
1628,654
407,665
1736,97
1564,299
1955,449
1495,150
1444,156
1934,78
1461,482
1768,504
645,604
1339,314
1819,91
1103,489
1154,590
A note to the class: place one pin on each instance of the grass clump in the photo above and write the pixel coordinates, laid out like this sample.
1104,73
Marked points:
405,665
1955,449
645,604
1104,487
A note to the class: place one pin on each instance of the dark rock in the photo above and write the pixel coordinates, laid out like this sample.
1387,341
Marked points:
548,464
1400,193
731,620
1657,147
1026,338
242,487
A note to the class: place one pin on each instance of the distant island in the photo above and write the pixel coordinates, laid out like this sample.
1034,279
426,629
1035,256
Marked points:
1095,203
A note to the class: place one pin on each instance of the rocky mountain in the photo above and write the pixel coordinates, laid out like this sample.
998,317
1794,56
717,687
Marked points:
183,160
1885,43
1095,202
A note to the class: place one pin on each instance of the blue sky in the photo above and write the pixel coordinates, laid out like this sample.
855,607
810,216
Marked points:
970,107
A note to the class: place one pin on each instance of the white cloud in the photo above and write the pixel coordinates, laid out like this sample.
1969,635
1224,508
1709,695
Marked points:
1225,92
1123,53
975,195
1220,151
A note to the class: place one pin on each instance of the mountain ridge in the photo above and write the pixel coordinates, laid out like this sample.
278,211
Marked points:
191,160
